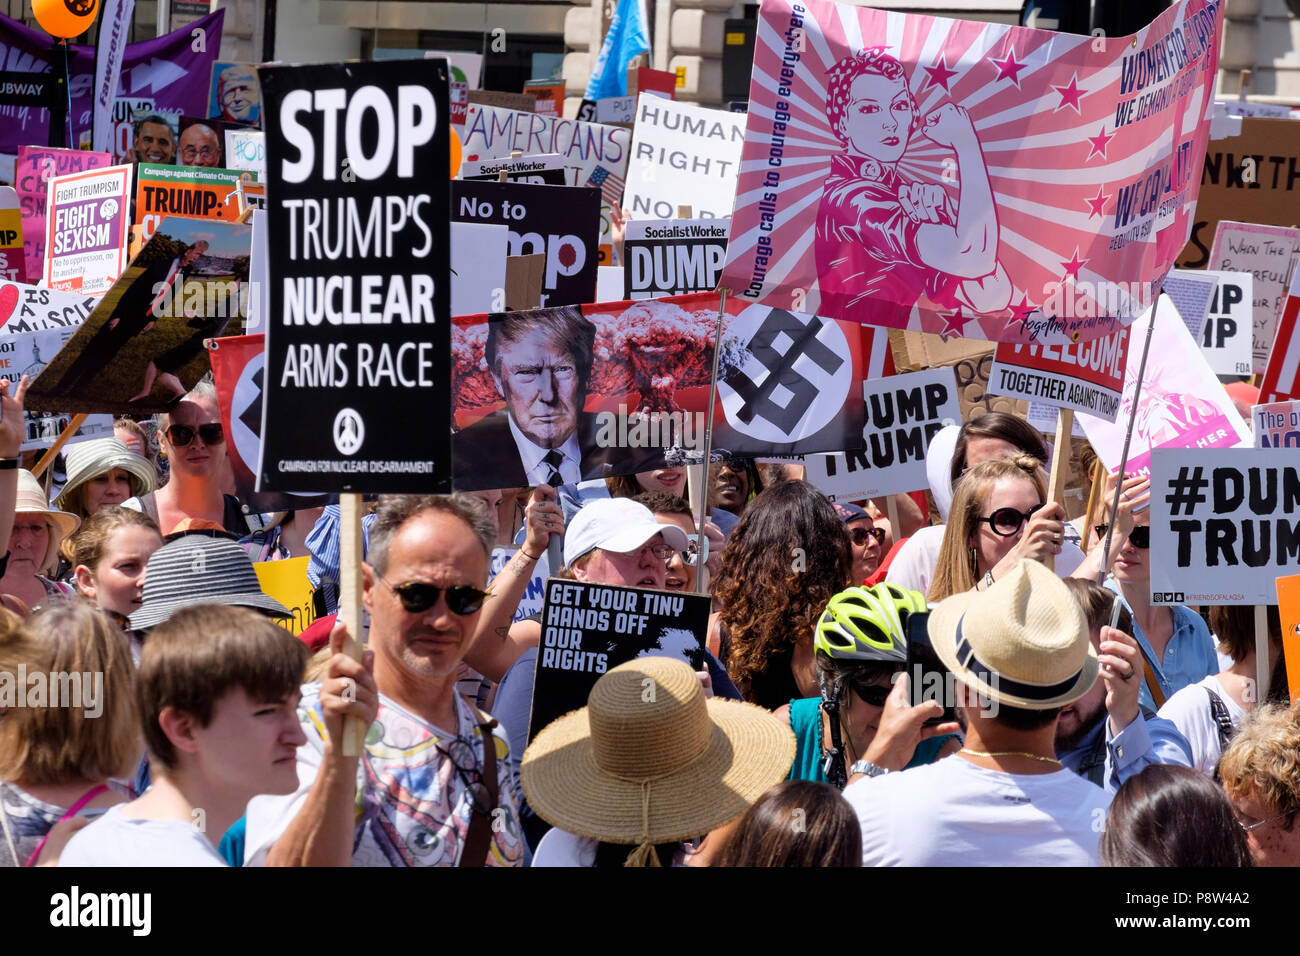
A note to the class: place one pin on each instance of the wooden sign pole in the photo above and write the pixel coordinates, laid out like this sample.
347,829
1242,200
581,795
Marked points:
354,732
1263,666
1060,463
48,458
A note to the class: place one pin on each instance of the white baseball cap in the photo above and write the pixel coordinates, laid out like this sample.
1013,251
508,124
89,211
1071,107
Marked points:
620,525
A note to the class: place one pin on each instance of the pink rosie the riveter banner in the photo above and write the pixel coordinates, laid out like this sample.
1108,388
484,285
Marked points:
968,178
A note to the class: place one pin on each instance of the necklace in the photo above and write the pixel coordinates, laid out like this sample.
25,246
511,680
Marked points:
1008,753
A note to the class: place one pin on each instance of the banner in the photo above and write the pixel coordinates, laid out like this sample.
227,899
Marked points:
627,37
1276,425
1282,376
33,170
173,70
141,348
114,27
673,257
589,628
1266,253
1224,524
546,170
87,230
682,155
1225,336
562,223
1181,403
358,326
969,178
1088,377
190,192
903,413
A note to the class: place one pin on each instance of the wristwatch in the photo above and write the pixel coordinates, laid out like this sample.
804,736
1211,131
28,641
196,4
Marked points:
867,768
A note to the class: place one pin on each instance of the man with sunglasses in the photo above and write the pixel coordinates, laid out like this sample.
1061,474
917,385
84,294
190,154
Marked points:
435,787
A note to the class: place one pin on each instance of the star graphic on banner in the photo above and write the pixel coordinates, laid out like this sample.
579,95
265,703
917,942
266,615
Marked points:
1171,239
1099,143
1073,266
1009,68
1070,94
940,74
1020,313
1097,204
954,323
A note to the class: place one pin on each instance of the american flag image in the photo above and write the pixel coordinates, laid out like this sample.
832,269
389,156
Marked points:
611,187
1282,376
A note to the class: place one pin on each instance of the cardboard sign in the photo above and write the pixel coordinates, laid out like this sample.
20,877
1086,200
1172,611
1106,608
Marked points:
1282,376
87,230
358,324
903,413
1225,335
1265,252
33,169
1181,403
519,102
1276,425
587,629
562,223
478,267
190,192
1288,607
673,257
1224,524
1087,377
682,155
545,170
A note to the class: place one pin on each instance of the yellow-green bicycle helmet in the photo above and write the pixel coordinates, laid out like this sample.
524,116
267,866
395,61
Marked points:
867,624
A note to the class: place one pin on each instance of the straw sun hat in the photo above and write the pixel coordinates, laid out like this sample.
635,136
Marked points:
1024,641
90,459
649,760
31,500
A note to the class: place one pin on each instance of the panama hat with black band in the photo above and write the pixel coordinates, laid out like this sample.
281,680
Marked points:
1023,642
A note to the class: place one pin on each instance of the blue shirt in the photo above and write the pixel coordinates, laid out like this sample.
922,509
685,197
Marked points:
323,544
1146,741
1189,656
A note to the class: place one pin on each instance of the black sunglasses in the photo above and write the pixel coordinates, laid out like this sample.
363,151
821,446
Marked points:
461,599
181,435
872,694
1008,521
1139,537
859,535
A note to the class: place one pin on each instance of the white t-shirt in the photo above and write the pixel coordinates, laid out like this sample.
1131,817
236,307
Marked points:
1189,711
913,566
953,813
115,840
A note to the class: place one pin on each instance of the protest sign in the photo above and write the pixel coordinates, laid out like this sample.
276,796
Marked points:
286,580
13,263
157,136
561,222
498,99
1181,404
191,192
587,629
673,257
682,155
616,109
33,169
172,69
142,346
539,170
1087,377
1225,336
1190,293
903,413
27,353
1074,164
1224,524
1265,252
1288,606
478,267
531,602
28,308
246,149
1276,425
358,331
234,93
1282,376
89,215
549,97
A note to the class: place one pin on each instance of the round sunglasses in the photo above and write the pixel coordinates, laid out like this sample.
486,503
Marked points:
417,597
1008,521
1139,537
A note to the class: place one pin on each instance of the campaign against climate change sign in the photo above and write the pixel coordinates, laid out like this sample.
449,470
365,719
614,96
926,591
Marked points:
1266,253
682,155
1276,425
1225,335
360,293
673,256
903,413
88,220
589,628
141,349
1039,188
1087,377
1224,524
195,192
562,223
1181,404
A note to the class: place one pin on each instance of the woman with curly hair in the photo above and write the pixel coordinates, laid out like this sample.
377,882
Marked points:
786,559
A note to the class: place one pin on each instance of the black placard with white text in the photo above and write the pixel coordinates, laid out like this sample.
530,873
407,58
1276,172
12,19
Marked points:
587,629
360,291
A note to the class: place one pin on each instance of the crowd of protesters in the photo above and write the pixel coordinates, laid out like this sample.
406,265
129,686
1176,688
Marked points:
1080,725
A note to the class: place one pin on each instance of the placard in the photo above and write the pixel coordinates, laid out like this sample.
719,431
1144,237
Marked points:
478,267
1288,606
33,169
190,192
1086,377
532,600
1276,425
246,149
587,629
359,319
1282,376
1265,252
903,413
13,260
673,256
547,169
1225,336
27,354
86,234
682,155
1224,524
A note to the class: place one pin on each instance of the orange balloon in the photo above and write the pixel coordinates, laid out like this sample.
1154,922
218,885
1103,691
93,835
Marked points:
65,18
455,153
